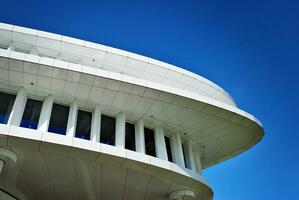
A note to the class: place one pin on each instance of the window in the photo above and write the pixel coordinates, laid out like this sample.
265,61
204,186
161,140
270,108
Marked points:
107,130
31,114
83,125
6,104
168,148
130,136
59,118
149,138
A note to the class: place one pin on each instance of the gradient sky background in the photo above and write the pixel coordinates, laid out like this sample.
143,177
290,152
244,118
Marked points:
249,48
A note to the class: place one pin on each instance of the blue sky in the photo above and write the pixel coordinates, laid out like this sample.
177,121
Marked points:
250,48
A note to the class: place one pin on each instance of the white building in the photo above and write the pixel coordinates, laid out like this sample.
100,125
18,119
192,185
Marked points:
80,120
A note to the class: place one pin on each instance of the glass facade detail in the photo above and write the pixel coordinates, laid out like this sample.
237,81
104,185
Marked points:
83,125
59,118
31,114
107,130
149,139
130,136
6,104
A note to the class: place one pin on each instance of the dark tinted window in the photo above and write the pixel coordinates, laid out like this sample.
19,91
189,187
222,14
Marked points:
149,138
107,130
31,114
83,125
168,148
59,118
6,104
130,136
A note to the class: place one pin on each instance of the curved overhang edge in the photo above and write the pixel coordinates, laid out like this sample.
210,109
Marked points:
75,41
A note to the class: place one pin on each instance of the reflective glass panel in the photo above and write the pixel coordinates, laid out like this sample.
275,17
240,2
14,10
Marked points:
107,130
6,104
59,118
168,148
31,114
130,136
149,138
83,125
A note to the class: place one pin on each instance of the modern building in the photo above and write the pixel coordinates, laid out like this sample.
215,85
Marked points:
84,121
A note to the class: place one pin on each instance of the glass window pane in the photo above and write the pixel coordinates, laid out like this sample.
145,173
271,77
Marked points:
31,114
149,137
6,104
83,125
168,148
59,118
107,130
130,136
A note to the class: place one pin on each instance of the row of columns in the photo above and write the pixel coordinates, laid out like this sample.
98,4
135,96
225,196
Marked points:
192,159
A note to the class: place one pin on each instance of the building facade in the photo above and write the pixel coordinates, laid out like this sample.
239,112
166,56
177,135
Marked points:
80,120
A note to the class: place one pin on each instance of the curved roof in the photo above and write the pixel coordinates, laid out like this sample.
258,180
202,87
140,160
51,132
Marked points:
161,94
110,59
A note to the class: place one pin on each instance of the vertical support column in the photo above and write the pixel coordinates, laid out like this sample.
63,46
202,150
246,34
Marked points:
178,150
18,108
96,125
1,165
139,136
45,114
120,130
189,155
197,160
160,144
72,120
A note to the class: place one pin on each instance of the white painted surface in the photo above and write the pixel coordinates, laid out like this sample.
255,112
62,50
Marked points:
72,119
120,130
18,108
160,143
45,115
139,136
96,125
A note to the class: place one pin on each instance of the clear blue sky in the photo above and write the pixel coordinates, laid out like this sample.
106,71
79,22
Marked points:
250,48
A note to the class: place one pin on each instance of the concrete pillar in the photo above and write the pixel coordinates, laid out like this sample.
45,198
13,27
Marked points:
18,108
189,155
72,120
160,143
45,114
96,125
139,136
1,165
120,130
197,160
178,150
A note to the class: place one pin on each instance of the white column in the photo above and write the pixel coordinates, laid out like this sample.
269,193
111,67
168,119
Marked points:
189,155
160,143
197,160
96,125
178,150
120,130
18,108
45,114
139,136
1,165
72,120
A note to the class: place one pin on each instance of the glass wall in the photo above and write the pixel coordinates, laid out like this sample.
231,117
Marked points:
107,130
130,136
59,118
31,114
83,124
168,148
6,104
149,138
